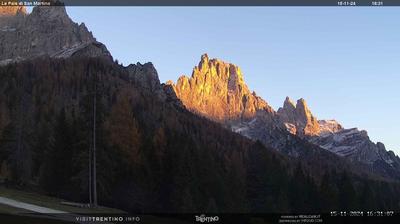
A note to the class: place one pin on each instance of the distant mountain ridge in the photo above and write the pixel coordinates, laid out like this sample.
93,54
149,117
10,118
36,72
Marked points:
351,143
217,90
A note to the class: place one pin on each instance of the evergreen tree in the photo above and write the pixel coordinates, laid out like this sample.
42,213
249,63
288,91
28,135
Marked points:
328,193
347,193
58,162
367,197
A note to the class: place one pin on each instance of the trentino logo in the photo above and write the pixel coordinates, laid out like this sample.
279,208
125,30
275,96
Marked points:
203,218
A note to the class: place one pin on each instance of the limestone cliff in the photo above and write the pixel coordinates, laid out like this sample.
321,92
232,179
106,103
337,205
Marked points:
45,31
217,90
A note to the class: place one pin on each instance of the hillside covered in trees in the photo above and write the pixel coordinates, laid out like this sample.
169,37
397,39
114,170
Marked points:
153,155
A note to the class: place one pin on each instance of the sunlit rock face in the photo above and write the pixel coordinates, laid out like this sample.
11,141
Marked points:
298,118
217,90
6,11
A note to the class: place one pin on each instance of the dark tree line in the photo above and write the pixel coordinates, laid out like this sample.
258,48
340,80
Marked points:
152,155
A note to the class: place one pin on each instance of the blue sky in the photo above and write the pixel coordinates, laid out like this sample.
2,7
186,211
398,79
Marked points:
344,61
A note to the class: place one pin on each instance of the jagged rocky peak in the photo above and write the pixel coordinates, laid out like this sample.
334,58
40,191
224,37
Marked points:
6,11
351,143
217,90
298,118
204,60
51,13
225,71
47,31
288,104
306,118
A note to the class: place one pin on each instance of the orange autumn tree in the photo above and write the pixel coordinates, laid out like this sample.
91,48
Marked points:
123,127
160,143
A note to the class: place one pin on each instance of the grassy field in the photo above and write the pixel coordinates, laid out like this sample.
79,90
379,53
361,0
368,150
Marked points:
5,209
49,202
9,214
55,203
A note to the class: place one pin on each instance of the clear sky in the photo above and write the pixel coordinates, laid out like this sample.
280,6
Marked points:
344,61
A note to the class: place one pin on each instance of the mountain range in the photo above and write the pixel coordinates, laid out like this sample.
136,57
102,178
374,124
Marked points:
216,90
206,143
